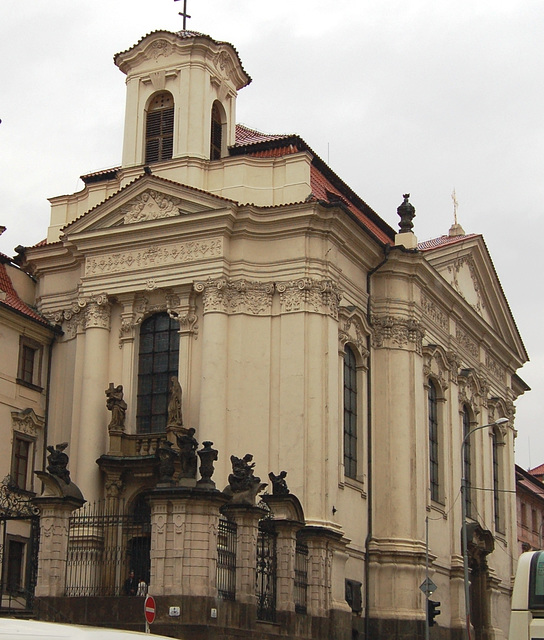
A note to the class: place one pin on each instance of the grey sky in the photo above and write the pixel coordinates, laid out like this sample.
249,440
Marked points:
420,97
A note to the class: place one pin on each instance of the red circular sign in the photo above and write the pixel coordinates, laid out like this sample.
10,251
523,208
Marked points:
149,609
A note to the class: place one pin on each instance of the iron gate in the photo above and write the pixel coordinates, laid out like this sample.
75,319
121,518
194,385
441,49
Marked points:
105,545
266,571
19,541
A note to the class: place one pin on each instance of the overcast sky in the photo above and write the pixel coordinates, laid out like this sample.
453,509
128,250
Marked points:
418,96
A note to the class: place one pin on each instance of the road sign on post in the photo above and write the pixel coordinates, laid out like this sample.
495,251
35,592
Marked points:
149,611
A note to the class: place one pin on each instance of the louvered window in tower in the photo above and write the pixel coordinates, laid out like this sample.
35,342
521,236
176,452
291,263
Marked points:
216,133
159,131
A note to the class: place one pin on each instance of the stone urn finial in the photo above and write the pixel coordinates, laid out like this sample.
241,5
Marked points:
407,213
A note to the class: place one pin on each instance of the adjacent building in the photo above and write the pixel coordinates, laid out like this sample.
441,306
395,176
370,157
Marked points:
530,508
26,339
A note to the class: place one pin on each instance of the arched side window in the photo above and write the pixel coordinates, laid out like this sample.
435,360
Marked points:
157,363
217,131
498,485
467,462
350,413
434,451
159,128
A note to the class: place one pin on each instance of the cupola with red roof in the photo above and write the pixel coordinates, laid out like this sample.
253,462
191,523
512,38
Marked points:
181,97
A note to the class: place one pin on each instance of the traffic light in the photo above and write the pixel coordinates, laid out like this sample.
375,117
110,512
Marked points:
432,611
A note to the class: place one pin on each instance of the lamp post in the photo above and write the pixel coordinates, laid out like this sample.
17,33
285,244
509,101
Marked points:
497,423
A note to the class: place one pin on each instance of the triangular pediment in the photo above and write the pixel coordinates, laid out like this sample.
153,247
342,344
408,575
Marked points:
147,200
466,265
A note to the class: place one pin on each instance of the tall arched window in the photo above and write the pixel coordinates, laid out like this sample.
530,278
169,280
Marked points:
467,464
216,138
434,463
498,443
157,363
350,413
159,128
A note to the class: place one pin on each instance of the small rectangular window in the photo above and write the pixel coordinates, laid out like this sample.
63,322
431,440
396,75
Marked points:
21,458
30,362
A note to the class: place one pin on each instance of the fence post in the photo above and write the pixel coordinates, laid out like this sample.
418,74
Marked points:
247,521
288,519
55,512
188,518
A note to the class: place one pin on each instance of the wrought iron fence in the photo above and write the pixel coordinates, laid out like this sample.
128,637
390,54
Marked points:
226,559
266,571
301,577
106,544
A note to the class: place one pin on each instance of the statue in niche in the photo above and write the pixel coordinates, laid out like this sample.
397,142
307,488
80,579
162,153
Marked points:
279,485
243,484
175,417
188,445
117,406
58,461
166,456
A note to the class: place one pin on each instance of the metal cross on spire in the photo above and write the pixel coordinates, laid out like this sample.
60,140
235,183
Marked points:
184,14
455,205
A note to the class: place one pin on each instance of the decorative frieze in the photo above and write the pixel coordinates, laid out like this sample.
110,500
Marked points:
434,313
151,205
394,332
495,368
466,341
154,256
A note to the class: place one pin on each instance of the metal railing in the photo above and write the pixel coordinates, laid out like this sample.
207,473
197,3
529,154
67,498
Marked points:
301,577
226,559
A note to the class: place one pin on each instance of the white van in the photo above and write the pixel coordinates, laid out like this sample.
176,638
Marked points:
31,629
527,616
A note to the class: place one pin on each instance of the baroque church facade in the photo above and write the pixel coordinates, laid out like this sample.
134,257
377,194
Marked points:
222,299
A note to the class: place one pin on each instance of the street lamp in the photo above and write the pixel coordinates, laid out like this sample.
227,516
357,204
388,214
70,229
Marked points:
497,423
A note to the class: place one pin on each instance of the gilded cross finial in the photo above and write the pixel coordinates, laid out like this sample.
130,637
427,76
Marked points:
184,14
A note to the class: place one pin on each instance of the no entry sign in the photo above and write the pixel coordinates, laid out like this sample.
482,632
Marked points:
149,609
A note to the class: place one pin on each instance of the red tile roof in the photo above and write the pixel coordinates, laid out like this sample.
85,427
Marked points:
537,471
441,241
10,299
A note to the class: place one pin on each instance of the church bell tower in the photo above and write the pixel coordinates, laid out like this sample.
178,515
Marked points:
181,97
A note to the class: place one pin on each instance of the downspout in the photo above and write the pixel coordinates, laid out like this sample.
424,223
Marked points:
386,252
47,399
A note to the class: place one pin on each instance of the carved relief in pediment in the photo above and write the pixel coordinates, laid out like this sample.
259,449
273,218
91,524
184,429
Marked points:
150,205
437,365
464,279
27,421
157,49
352,329
224,64
473,389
